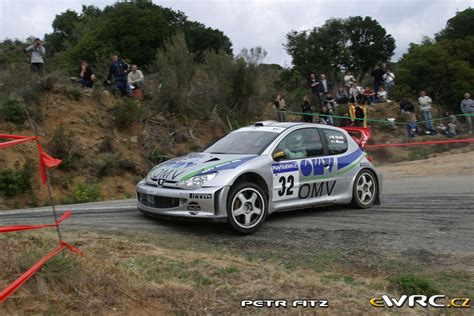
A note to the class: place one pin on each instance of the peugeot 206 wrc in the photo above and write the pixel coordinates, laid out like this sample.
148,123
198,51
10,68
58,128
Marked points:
260,169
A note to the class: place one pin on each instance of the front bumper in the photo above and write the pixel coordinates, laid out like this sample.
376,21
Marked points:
201,204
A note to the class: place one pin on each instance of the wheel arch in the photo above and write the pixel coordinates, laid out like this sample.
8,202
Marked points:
254,178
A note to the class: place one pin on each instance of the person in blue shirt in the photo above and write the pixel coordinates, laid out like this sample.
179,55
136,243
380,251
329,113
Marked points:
118,69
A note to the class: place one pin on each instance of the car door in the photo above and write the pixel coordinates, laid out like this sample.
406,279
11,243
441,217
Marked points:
344,157
299,170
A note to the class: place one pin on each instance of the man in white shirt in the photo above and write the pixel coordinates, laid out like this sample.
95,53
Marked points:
135,79
389,80
425,107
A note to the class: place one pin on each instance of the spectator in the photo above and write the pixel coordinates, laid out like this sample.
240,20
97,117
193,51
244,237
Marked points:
281,107
325,117
425,107
452,124
330,102
354,93
411,120
349,80
467,107
405,103
307,110
135,81
382,95
86,75
377,73
118,69
389,80
341,95
352,109
360,114
346,121
368,96
37,52
314,86
325,86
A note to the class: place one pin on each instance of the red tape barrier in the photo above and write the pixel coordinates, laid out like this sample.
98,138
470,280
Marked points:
45,161
434,142
8,229
31,271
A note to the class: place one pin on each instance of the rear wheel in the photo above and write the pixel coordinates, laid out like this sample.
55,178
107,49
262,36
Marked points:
365,189
246,207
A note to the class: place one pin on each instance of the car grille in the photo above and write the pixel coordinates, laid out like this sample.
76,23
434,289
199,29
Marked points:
159,201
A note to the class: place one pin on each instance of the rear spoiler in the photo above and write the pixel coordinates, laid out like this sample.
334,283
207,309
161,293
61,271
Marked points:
360,134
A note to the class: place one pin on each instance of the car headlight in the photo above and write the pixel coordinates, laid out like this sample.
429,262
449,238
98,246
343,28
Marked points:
197,181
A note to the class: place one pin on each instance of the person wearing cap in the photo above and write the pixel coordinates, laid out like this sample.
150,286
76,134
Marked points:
467,107
37,52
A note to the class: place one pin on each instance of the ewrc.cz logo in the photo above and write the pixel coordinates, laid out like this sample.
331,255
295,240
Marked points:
438,301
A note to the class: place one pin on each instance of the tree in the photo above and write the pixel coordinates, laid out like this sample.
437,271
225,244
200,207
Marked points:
459,26
134,29
354,43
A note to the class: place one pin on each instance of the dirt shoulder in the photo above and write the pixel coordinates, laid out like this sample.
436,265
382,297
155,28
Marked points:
456,162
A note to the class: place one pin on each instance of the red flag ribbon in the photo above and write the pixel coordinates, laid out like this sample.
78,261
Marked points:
31,271
434,142
8,229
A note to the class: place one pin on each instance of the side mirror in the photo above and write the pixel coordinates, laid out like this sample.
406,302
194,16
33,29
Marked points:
278,155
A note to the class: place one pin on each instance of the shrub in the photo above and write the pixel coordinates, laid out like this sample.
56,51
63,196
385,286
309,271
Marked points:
411,285
73,93
84,192
64,146
420,153
126,113
12,111
13,182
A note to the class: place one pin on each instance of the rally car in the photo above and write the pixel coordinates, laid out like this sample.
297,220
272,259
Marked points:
260,169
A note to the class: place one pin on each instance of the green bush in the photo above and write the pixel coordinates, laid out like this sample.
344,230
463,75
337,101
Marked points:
126,113
12,111
84,192
411,285
63,145
420,153
13,182
73,93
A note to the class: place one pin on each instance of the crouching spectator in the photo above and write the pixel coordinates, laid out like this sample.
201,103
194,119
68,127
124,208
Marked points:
411,120
135,82
452,124
325,117
86,75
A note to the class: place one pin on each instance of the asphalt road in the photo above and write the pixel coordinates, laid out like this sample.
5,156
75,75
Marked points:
424,215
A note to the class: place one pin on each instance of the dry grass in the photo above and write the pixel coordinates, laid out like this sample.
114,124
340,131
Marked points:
124,275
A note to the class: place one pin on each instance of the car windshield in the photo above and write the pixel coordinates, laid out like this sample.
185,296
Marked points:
242,143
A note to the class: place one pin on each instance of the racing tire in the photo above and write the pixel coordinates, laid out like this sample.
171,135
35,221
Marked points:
365,189
247,207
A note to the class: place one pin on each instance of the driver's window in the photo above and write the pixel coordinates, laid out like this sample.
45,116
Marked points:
302,143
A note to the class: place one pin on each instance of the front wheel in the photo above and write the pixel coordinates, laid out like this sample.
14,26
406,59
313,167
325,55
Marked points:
246,207
365,190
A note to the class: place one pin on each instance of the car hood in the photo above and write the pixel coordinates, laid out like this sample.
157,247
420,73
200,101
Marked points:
194,164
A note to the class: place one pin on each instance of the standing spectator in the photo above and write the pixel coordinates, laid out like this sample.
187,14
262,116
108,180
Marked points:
352,109
405,103
325,86
377,73
118,69
354,93
368,96
360,114
349,80
341,95
467,107
389,80
307,110
314,86
86,75
425,107
37,52
135,81
281,107
411,120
